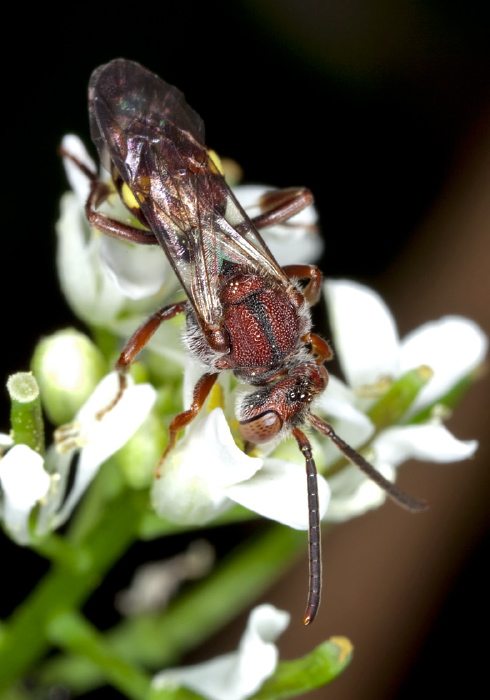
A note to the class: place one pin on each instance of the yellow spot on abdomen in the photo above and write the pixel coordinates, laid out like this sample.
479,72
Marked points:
215,162
128,198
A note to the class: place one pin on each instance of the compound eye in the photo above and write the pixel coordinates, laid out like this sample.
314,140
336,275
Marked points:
262,428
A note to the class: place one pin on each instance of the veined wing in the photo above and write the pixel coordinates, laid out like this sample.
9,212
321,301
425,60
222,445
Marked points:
144,127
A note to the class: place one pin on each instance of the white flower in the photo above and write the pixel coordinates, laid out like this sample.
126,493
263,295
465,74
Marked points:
240,674
369,350
27,480
155,583
103,277
206,474
24,483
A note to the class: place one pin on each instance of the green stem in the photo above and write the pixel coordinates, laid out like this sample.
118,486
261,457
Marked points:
71,632
446,404
61,551
237,583
25,413
160,640
393,405
25,640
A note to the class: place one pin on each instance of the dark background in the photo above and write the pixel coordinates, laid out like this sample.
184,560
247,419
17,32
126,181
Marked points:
367,103
376,106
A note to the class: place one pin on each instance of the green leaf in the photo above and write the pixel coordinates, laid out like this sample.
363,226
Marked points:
314,670
445,404
173,694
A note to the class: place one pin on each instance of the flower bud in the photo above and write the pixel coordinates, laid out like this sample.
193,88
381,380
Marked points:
67,366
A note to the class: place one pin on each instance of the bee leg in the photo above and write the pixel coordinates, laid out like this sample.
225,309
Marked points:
182,420
280,205
321,348
136,344
99,191
89,174
313,289
113,227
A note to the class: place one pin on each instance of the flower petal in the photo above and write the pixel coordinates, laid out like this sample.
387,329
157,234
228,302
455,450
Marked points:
338,402
137,271
452,347
79,182
192,488
279,492
112,270
365,335
24,483
428,441
240,674
353,494
102,437
5,440
85,282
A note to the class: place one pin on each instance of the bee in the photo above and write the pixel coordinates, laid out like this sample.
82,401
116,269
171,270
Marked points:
244,313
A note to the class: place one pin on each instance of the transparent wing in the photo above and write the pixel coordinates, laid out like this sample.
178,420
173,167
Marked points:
144,127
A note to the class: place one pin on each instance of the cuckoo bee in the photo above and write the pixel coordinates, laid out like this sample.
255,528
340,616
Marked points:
244,312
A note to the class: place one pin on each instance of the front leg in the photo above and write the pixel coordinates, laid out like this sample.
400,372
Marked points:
182,420
311,273
321,348
136,343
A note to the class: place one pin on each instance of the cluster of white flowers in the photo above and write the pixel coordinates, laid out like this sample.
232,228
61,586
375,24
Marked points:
28,480
207,473
113,285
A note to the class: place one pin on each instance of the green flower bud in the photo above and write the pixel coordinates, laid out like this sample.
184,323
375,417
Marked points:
67,366
139,457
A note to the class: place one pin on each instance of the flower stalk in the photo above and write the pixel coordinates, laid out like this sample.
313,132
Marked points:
394,404
25,636
159,640
26,413
71,632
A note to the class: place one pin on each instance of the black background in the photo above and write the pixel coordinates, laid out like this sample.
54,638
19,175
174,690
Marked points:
367,107
368,104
